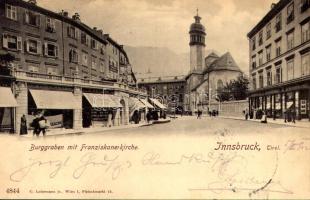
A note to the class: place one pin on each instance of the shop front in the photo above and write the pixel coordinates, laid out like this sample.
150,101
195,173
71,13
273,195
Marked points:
137,110
56,106
290,101
7,105
101,110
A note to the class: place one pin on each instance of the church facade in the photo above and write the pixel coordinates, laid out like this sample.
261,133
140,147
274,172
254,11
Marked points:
205,76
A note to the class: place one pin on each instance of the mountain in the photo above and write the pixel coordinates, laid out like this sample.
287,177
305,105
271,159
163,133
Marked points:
159,61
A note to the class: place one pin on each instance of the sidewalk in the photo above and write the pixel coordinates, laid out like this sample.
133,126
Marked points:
300,124
53,132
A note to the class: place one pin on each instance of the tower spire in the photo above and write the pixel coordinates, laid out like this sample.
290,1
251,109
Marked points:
197,11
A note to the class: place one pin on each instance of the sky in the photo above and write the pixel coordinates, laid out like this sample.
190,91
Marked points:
165,23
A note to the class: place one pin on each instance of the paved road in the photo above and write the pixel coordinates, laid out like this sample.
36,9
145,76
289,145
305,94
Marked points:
191,126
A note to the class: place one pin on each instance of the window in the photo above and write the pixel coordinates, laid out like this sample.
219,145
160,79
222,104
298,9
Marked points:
254,81
290,13
33,46
102,50
220,84
260,58
52,71
305,32
278,78
304,5
50,25
33,68
32,18
253,43
269,77
11,12
278,25
50,49
290,40
268,31
260,38
12,42
305,64
278,48
85,39
253,62
84,59
268,53
72,32
73,56
93,62
290,69
94,44
102,66
261,80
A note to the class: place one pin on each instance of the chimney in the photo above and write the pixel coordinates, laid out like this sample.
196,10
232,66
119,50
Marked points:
273,5
64,13
32,2
76,17
95,28
100,31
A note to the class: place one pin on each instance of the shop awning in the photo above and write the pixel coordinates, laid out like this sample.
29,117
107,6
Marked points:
102,100
58,100
135,104
7,98
158,104
146,103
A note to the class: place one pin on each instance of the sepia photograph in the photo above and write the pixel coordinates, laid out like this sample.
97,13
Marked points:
155,99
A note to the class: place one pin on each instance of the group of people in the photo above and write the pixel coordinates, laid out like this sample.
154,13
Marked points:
39,124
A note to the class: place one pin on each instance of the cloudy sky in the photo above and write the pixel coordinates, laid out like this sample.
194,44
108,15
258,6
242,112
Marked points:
165,23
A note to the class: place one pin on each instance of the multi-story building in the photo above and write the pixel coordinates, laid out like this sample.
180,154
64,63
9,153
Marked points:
63,66
280,60
169,91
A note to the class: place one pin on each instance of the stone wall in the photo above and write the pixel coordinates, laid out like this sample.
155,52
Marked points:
231,108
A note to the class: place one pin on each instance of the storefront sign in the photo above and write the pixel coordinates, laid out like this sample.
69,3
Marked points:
303,107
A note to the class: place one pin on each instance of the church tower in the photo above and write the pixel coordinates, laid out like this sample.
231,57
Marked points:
197,45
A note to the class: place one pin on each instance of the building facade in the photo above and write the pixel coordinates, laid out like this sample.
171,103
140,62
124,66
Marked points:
280,60
61,65
207,74
170,91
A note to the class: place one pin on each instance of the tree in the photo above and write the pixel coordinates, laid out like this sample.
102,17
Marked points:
234,90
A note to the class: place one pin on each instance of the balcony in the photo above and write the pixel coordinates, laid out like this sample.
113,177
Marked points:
70,81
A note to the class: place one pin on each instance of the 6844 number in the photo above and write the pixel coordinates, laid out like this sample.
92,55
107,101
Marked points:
12,190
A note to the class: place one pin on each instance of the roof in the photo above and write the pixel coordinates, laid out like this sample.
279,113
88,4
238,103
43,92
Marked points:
271,14
212,55
225,62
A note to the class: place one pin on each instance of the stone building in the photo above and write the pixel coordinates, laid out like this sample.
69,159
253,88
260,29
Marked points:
205,76
169,91
280,60
77,75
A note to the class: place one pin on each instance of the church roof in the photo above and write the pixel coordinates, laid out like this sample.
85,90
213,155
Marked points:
225,62
212,55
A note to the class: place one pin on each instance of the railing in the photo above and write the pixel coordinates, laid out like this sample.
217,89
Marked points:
61,79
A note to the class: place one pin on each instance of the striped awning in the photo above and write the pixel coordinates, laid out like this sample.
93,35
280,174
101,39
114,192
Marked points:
57,100
102,100
158,104
7,98
146,103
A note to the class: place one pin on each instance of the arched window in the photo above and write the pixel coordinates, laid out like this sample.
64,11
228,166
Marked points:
220,84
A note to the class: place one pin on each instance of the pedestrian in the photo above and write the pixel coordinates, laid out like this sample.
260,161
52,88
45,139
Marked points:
42,125
264,118
148,116
285,115
35,124
246,113
23,125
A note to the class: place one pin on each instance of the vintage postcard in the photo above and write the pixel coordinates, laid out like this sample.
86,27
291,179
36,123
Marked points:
155,99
